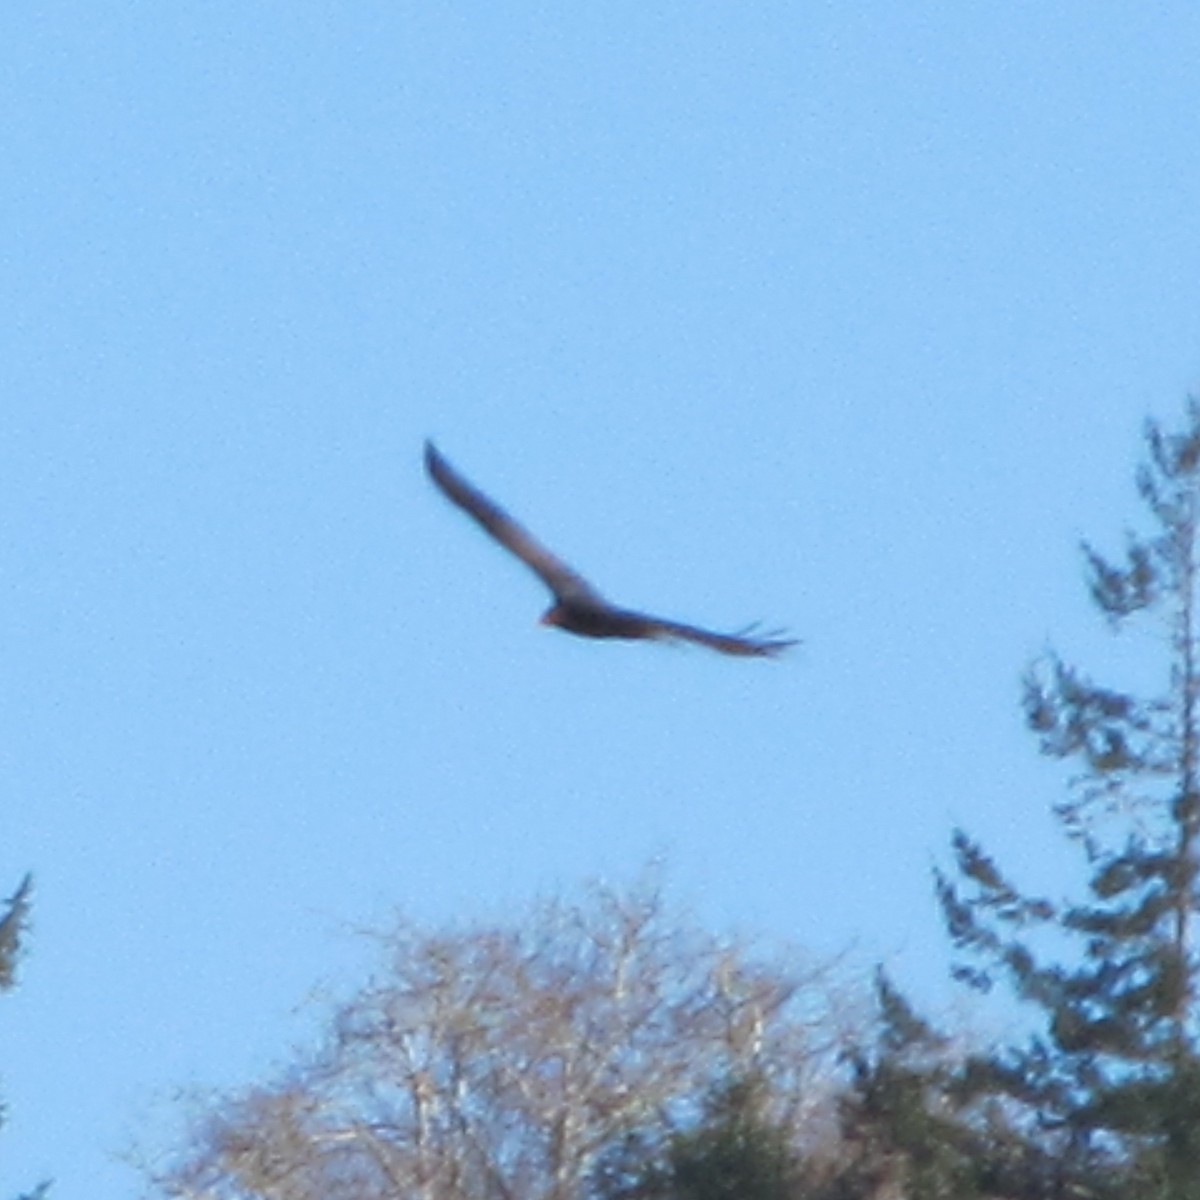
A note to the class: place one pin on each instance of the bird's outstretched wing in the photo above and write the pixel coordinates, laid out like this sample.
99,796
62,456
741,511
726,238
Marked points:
746,644
566,584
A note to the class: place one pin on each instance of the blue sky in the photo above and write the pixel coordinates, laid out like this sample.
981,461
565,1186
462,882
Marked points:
844,317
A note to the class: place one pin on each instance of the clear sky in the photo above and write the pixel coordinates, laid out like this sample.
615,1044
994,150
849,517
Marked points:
838,316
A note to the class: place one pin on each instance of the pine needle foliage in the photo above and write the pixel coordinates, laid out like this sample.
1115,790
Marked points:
1112,1080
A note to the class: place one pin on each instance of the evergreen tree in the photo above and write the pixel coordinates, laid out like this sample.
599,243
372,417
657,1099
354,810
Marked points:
735,1152
13,925
906,1127
1111,1083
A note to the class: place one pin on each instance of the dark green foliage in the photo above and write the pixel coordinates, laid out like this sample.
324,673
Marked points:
1112,1083
12,925
735,1153
903,1129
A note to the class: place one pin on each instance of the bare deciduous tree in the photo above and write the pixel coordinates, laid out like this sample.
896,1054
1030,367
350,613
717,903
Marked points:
500,1062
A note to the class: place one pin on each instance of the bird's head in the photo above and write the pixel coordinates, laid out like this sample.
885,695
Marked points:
552,616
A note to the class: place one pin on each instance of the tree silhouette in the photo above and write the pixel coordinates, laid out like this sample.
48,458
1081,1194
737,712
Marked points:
1112,1081
504,1062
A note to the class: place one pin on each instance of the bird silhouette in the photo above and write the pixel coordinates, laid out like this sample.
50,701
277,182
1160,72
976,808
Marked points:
578,607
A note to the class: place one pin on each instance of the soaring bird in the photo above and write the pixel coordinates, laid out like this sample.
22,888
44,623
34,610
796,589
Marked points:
578,608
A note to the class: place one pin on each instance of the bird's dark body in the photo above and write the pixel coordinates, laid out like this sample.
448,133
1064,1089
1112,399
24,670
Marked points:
578,607
597,621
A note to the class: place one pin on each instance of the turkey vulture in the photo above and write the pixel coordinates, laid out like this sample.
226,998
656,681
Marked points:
578,608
